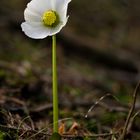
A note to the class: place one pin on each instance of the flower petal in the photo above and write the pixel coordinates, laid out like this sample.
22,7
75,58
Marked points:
33,26
31,16
34,31
61,4
39,6
61,8
57,29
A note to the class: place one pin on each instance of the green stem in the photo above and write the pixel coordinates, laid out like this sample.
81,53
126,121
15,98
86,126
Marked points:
54,82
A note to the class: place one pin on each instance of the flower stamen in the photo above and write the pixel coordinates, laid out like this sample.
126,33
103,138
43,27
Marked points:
50,18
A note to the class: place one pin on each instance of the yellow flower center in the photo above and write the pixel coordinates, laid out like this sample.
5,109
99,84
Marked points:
50,18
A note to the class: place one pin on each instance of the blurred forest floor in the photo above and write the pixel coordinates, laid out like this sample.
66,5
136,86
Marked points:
98,54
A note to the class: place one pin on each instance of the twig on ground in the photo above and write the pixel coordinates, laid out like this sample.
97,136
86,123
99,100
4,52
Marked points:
122,137
91,136
132,120
35,133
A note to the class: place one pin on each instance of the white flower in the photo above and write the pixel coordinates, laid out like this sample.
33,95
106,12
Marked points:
44,18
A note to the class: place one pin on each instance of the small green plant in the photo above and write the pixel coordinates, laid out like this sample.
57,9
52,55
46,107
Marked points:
46,18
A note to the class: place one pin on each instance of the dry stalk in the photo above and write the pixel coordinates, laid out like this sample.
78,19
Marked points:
122,137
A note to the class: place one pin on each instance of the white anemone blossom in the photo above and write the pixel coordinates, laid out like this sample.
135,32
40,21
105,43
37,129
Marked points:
44,18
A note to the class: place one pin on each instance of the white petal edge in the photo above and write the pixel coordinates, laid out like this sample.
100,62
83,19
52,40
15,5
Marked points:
61,4
61,8
35,32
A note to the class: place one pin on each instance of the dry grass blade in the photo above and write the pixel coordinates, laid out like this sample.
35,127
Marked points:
98,101
122,137
132,120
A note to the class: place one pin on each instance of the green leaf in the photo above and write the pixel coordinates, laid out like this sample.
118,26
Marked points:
55,136
86,138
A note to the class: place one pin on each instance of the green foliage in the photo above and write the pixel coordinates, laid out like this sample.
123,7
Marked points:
86,138
55,136
111,117
2,135
91,125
